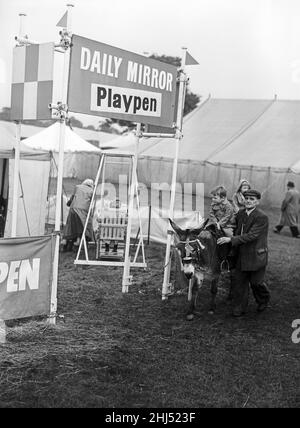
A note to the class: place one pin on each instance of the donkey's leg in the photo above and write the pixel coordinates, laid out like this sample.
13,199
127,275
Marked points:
192,297
213,291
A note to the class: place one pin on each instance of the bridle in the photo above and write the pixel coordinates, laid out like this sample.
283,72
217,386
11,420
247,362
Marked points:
193,253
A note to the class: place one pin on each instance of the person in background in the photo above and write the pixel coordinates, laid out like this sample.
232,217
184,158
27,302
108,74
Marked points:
290,211
238,200
250,242
221,211
79,207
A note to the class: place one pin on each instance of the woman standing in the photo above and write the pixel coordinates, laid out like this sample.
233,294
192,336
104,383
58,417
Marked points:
79,207
238,200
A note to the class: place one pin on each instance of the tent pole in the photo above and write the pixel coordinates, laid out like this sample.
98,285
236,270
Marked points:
17,156
16,181
133,185
182,86
53,304
15,187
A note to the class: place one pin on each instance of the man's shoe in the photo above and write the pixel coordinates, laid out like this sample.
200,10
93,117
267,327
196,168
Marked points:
262,306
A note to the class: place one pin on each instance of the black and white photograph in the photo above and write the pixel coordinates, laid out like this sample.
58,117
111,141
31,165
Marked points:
149,207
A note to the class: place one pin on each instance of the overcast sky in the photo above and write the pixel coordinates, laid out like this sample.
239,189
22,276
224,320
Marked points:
246,48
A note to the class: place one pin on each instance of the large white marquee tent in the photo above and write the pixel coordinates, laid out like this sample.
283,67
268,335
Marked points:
226,140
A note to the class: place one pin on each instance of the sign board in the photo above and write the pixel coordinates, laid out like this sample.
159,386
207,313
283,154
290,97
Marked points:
25,277
154,129
32,82
111,82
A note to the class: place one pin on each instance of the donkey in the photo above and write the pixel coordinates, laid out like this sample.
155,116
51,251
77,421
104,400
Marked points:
200,257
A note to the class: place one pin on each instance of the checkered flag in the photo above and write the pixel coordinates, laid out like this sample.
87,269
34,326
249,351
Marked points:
32,82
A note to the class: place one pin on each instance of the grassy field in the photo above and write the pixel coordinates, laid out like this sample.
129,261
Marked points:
135,351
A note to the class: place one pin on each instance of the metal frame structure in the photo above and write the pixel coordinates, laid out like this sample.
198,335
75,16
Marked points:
127,264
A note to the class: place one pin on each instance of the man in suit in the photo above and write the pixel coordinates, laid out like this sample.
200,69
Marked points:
251,247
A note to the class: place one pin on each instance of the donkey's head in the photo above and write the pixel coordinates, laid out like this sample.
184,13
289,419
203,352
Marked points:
197,248
190,248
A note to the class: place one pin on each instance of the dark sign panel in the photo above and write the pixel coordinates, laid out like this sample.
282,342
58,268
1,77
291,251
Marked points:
111,82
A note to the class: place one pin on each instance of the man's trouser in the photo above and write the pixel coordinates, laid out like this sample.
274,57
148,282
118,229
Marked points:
240,290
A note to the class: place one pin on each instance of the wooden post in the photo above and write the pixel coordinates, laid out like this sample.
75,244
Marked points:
182,86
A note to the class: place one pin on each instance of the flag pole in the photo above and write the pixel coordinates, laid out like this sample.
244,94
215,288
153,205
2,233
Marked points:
182,85
17,157
15,187
63,116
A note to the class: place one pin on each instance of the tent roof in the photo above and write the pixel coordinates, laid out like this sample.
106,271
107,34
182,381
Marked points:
272,141
48,139
261,133
8,141
209,126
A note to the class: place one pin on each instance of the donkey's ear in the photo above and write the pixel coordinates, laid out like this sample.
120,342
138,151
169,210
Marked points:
196,231
175,227
212,227
205,224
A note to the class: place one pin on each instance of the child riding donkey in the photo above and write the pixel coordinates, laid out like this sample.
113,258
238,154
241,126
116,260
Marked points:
222,212
198,250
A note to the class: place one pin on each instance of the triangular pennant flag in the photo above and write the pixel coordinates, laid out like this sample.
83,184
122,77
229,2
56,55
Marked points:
189,60
63,20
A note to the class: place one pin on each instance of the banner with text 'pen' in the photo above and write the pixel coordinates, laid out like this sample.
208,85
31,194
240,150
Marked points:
111,82
25,276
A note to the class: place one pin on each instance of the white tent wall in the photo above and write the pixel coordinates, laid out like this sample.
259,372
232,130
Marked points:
51,211
271,181
160,223
34,177
154,178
